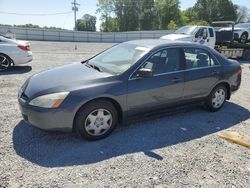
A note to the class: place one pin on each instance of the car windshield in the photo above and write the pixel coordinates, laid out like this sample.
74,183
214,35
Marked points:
118,59
243,25
187,30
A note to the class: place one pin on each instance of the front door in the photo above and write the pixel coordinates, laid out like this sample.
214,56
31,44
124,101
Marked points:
164,87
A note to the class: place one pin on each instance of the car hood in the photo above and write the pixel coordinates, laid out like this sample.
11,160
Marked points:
65,78
174,37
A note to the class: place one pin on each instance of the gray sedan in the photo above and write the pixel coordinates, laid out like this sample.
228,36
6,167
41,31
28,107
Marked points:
94,96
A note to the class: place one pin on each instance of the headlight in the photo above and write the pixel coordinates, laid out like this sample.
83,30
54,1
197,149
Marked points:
49,101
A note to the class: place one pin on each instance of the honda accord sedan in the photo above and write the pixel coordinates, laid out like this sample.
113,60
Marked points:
94,96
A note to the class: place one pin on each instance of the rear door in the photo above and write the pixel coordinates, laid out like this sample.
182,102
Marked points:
201,74
164,87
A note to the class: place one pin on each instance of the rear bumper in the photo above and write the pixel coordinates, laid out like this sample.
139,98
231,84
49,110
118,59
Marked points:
23,58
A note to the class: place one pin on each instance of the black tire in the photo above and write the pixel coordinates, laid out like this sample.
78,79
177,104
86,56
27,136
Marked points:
211,105
5,62
89,109
243,38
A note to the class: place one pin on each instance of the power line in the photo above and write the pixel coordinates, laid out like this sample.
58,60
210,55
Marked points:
44,14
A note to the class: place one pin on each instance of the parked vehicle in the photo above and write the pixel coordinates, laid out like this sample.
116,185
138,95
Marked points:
241,32
198,34
222,40
13,52
131,78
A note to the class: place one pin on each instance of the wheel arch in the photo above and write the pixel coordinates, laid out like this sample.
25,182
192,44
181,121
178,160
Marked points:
109,99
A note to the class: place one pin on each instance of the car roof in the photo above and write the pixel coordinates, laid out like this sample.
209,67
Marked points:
156,43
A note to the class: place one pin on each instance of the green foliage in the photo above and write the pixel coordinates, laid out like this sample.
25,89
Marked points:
167,10
87,23
214,10
129,15
110,25
199,23
37,27
147,13
172,25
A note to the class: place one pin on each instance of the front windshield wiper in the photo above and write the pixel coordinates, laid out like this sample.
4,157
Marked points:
93,66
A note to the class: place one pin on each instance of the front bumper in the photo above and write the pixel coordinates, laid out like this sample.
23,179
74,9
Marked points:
47,119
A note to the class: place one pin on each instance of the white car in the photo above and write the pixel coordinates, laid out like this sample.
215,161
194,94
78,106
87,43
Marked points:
241,32
13,52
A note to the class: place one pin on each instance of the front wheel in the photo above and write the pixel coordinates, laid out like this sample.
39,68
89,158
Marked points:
96,120
217,98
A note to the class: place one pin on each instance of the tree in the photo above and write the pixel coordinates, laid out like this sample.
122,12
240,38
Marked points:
243,14
191,14
213,10
110,25
147,15
172,25
105,8
167,10
87,23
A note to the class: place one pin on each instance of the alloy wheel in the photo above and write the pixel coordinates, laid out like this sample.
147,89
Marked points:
4,63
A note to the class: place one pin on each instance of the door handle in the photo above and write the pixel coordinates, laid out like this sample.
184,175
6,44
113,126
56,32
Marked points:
215,72
176,80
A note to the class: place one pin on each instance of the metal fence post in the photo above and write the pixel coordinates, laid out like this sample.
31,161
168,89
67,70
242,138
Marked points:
43,35
26,32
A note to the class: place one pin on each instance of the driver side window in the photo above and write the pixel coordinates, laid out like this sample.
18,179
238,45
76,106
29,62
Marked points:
202,33
164,61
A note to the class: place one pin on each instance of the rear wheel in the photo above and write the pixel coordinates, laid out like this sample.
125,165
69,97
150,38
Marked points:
96,120
5,62
217,98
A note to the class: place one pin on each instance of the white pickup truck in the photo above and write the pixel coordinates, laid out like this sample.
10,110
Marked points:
206,35
200,34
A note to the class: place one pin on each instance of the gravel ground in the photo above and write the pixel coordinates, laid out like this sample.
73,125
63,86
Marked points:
178,150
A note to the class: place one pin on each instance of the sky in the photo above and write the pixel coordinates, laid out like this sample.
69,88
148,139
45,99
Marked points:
66,20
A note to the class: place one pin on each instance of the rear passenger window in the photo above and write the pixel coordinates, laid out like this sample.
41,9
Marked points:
211,32
198,58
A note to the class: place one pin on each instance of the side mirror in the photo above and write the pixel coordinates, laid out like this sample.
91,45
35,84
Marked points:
144,73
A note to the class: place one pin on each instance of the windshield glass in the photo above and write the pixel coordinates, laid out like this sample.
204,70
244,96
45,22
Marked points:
119,58
187,30
242,25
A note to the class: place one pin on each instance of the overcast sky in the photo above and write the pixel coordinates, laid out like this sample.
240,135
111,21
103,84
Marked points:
59,6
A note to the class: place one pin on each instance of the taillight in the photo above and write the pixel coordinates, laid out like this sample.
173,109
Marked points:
239,72
24,47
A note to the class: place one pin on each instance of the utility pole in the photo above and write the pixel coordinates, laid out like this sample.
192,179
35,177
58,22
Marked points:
75,9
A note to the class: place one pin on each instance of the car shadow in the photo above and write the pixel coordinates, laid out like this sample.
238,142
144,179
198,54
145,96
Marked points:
50,149
16,70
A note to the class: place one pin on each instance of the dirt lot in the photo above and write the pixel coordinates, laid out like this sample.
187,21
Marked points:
178,150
